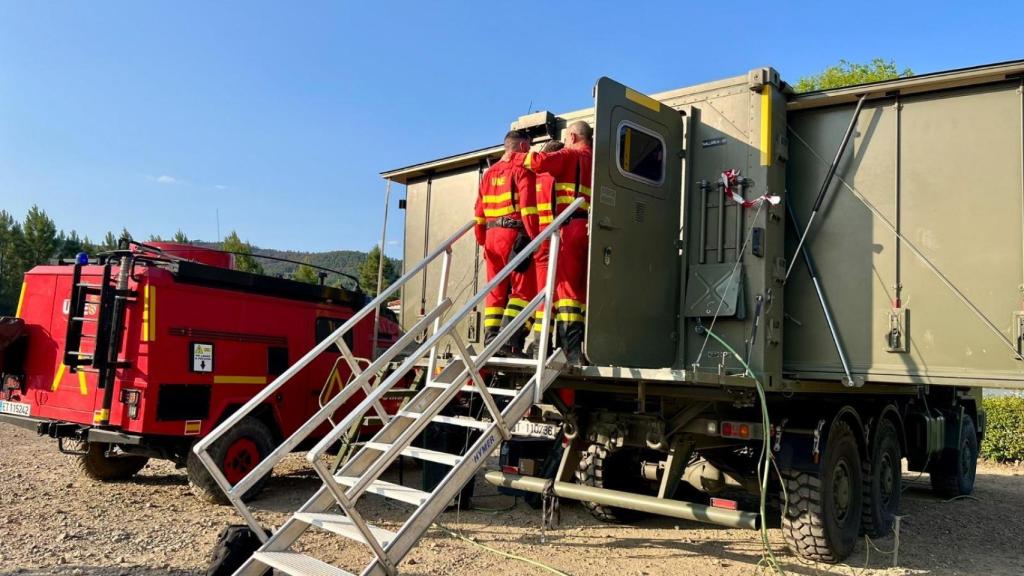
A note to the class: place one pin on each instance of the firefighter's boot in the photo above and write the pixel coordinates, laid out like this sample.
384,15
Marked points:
570,337
490,333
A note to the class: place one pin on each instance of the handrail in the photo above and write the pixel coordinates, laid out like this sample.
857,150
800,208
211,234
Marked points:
381,389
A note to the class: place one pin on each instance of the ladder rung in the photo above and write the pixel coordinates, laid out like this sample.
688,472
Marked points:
390,491
83,319
88,285
456,420
298,564
343,526
511,362
83,355
467,388
420,454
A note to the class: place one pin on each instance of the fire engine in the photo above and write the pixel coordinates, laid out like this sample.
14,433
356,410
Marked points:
138,353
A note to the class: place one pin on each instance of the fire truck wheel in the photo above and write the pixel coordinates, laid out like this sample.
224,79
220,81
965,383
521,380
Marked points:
953,473
238,452
97,465
602,468
823,517
883,475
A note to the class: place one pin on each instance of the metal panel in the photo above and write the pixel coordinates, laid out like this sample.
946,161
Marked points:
634,259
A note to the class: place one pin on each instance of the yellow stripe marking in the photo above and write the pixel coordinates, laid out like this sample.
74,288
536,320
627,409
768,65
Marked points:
496,198
566,317
57,378
498,212
494,310
100,415
528,162
239,379
528,211
82,388
145,313
491,323
626,149
766,125
643,100
21,300
152,313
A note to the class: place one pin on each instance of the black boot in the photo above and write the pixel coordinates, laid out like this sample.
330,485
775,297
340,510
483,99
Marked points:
571,339
490,333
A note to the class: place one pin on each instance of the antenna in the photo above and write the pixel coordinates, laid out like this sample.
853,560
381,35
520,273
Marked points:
530,107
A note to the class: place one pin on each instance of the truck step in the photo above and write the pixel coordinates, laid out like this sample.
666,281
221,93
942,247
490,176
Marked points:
475,390
456,420
389,490
343,526
297,564
420,454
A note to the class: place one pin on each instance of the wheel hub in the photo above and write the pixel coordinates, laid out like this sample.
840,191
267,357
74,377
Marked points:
888,484
841,490
239,459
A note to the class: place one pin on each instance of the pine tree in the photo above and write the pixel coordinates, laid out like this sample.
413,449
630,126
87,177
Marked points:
109,242
243,254
180,237
306,274
368,272
39,237
11,266
70,245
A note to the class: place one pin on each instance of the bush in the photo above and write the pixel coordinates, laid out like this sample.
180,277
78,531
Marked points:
1004,439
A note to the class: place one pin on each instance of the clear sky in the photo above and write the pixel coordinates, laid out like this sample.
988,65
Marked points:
280,115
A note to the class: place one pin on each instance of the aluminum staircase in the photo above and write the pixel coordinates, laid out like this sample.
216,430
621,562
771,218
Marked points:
333,508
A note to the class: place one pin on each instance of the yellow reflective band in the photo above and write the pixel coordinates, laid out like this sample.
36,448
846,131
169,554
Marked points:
546,219
82,388
766,125
496,198
152,314
21,300
512,312
56,379
239,379
480,219
145,314
568,317
643,100
528,163
571,187
499,212
544,206
518,302
571,302
527,211
538,314
492,323
566,200
498,181
494,310
538,326
100,416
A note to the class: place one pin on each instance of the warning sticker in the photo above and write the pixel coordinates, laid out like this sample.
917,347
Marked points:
202,357
192,427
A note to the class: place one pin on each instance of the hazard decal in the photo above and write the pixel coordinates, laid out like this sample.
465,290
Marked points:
202,357
192,427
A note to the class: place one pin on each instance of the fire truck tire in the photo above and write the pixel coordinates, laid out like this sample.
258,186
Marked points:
883,476
823,515
953,473
238,451
95,464
602,468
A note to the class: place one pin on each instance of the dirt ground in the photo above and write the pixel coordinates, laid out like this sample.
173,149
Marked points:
54,522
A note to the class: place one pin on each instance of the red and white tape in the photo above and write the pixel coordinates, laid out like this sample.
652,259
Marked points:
730,180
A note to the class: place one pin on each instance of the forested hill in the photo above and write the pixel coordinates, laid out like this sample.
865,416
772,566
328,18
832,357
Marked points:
347,261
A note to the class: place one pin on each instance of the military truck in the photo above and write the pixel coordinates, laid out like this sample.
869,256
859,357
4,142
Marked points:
791,298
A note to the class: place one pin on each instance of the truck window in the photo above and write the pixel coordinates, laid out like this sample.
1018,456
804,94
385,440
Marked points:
277,360
641,154
326,326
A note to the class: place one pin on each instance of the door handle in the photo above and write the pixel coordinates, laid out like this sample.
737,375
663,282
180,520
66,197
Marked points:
606,224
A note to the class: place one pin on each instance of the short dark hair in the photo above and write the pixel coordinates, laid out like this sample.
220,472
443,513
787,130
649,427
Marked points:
516,135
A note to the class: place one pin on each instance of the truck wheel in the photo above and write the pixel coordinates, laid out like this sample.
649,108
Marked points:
824,512
883,477
953,473
602,468
97,465
243,447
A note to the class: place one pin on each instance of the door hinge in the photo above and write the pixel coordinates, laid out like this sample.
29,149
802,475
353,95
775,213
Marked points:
1018,323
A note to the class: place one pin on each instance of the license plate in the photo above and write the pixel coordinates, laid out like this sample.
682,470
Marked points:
536,429
16,408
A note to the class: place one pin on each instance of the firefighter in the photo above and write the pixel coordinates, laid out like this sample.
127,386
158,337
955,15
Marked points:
570,168
545,214
506,218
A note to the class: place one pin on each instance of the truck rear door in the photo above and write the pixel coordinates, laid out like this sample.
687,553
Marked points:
636,200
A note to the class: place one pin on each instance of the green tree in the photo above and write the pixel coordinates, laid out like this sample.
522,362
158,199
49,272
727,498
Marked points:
39,237
368,271
180,237
109,242
11,266
70,245
848,73
244,260
306,274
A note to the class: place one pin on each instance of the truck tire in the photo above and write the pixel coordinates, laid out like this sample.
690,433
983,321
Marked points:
602,468
823,515
953,473
883,478
243,447
95,464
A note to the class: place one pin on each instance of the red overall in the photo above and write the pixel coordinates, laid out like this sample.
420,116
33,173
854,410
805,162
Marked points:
570,168
505,207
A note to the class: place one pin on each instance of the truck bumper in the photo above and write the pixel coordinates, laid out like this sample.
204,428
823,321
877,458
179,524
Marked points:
55,429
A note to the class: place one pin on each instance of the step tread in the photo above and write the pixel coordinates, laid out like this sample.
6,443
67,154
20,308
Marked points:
420,454
467,388
343,526
297,564
389,490
456,420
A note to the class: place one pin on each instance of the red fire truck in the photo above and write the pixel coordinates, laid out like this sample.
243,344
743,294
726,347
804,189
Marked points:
140,352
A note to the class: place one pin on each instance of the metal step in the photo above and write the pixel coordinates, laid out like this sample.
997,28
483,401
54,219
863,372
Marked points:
343,526
420,454
297,564
456,420
473,389
496,362
389,490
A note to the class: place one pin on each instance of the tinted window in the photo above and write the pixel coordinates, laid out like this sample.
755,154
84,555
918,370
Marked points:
326,326
641,154
277,360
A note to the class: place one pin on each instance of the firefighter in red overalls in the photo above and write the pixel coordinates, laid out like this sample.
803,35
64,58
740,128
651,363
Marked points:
545,214
570,168
506,216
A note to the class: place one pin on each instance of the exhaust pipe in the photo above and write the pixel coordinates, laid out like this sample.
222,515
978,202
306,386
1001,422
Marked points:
619,499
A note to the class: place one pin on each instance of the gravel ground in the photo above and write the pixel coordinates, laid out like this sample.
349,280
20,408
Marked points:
54,522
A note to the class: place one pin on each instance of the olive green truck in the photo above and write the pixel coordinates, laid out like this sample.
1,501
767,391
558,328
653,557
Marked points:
796,295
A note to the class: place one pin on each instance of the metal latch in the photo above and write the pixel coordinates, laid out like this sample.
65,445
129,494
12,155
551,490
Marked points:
1018,322
896,340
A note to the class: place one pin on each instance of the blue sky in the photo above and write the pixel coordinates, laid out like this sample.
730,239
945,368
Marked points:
157,115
